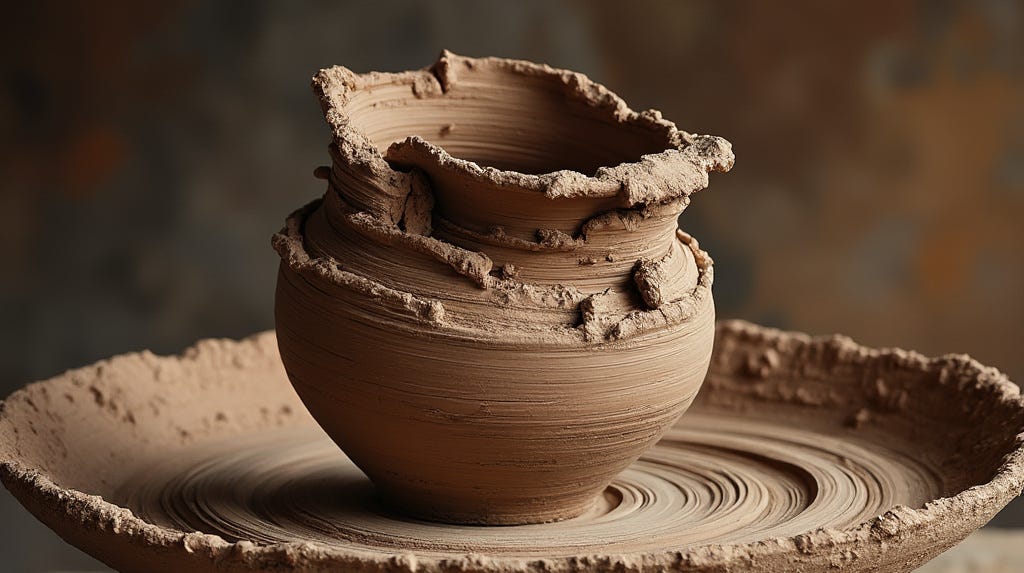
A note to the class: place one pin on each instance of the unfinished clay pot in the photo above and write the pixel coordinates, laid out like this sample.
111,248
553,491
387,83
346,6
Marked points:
491,310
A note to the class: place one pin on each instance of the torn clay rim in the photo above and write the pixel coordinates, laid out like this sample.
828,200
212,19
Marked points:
939,520
683,166
289,244
372,198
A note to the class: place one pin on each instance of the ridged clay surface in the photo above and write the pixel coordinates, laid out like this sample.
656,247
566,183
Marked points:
491,309
801,454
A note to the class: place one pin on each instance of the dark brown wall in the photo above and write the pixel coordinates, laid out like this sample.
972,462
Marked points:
147,151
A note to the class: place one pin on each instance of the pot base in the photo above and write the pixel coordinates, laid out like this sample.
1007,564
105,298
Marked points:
529,514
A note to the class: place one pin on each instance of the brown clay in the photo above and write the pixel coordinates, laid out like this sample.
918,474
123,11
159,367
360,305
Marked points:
491,309
800,455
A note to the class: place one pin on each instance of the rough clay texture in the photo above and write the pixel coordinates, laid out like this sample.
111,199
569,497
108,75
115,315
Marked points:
491,309
801,454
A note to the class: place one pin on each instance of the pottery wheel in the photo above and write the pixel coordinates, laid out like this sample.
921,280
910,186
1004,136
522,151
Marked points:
801,455
714,479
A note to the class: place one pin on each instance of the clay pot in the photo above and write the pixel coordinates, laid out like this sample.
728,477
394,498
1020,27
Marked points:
491,310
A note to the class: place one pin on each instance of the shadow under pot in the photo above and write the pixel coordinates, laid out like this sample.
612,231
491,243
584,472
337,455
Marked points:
491,310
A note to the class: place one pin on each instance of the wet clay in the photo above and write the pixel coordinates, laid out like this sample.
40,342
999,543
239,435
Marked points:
491,309
801,454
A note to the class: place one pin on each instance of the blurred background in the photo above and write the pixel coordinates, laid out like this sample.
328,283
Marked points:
149,150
